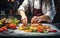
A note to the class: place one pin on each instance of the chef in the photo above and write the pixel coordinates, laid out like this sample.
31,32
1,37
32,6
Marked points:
42,10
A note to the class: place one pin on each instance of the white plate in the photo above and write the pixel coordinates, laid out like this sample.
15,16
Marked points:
18,32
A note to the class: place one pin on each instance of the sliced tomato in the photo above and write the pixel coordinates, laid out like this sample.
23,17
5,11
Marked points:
1,30
39,30
4,28
53,31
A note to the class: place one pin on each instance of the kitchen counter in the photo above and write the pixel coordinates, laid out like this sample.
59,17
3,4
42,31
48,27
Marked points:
15,32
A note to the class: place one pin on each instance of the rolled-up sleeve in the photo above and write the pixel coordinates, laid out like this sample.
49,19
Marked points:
24,5
51,10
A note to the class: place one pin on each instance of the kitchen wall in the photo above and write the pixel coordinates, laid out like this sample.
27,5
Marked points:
6,6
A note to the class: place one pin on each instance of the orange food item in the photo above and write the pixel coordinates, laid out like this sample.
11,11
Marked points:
35,28
28,30
39,30
12,25
41,27
46,27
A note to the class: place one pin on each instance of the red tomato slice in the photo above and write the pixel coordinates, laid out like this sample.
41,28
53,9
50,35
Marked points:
39,30
1,30
53,31
4,28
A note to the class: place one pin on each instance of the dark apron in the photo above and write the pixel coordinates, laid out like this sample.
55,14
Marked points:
37,12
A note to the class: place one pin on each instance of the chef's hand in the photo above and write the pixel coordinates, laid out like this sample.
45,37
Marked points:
34,19
24,20
44,18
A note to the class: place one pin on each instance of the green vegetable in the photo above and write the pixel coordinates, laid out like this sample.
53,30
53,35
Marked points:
0,24
34,30
28,27
14,20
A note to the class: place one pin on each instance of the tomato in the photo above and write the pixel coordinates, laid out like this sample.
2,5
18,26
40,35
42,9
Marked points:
1,30
53,31
4,28
39,30
12,26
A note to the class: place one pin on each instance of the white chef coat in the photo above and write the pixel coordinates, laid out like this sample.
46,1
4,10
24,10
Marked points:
47,9
37,4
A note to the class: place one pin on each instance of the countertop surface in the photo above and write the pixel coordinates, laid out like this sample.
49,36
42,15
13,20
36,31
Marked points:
16,32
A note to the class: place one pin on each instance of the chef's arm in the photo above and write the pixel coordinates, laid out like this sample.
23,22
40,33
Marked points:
23,8
22,13
51,10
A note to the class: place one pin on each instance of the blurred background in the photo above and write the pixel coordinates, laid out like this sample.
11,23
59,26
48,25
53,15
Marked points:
10,7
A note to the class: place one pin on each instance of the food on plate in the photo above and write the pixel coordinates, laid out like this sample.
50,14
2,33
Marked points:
28,30
23,28
46,27
15,20
1,30
10,20
40,30
5,24
53,30
1,24
31,27
4,28
36,28
12,26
